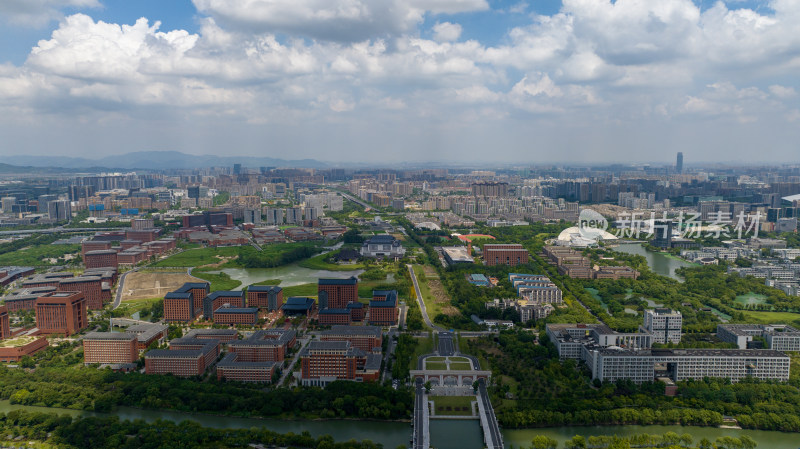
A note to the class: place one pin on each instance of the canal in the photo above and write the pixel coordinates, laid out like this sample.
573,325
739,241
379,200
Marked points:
660,263
445,434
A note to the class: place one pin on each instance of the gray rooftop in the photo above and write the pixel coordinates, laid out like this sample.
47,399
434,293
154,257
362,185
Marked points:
109,336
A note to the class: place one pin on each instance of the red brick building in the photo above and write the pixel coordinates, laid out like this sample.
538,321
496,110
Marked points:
217,299
142,235
100,259
236,315
329,317
504,254
178,307
90,286
230,368
5,325
365,338
357,311
147,334
211,348
26,346
186,357
383,308
323,362
47,279
110,347
269,297
61,313
264,346
94,245
198,291
337,293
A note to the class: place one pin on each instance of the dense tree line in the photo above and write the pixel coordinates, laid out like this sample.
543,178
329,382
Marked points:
548,392
249,257
112,433
102,390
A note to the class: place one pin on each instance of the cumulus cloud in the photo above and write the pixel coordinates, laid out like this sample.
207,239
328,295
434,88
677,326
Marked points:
335,20
446,32
38,13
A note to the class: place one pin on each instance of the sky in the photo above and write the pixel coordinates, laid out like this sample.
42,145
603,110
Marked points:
390,81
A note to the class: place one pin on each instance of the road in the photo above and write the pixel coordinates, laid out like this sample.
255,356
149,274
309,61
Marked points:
120,285
296,357
421,302
421,436
390,346
446,345
491,429
355,200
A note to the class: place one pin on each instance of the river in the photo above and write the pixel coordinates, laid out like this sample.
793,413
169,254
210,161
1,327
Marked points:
660,263
445,434
289,275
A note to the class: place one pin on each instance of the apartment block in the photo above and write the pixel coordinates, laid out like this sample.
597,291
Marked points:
224,336
147,334
5,326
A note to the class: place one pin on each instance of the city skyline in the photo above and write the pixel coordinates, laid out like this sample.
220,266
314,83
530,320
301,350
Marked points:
584,81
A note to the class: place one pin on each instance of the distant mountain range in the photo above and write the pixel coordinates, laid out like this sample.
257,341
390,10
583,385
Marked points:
157,160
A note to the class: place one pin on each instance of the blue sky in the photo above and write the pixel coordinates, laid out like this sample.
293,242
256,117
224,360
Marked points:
481,80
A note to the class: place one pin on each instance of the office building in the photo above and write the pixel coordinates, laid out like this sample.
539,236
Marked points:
679,163
337,293
383,308
110,348
664,324
264,346
100,259
323,362
365,338
61,313
504,254
59,210
232,369
217,299
779,337
269,297
662,233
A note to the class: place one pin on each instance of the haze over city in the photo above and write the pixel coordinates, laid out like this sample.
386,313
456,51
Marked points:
423,80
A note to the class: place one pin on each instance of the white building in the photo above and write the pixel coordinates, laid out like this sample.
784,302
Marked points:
664,324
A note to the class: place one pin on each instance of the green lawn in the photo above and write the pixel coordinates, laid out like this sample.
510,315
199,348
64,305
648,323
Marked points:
772,317
318,263
424,346
128,308
453,405
435,359
300,290
435,365
197,257
269,282
35,255
432,308
220,281
460,366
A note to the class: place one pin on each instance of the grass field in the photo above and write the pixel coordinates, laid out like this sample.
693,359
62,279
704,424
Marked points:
219,281
435,365
198,257
36,255
453,405
460,366
772,317
300,290
128,308
435,359
149,284
318,263
269,282
424,346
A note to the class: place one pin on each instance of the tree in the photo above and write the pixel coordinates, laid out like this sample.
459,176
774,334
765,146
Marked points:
543,442
576,442
428,387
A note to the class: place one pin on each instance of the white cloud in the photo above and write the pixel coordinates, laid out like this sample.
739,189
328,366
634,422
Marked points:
336,20
446,32
38,13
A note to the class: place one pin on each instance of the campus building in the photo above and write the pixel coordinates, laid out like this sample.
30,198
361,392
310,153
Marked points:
5,326
264,346
181,363
224,336
178,307
94,245
217,299
110,348
664,324
147,334
337,293
269,297
365,338
236,315
90,286
323,362
779,337
382,246
198,291
13,350
383,308
61,313
100,259
330,316
504,254
233,369
298,305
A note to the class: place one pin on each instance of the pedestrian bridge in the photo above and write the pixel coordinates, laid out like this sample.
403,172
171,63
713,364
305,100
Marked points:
449,377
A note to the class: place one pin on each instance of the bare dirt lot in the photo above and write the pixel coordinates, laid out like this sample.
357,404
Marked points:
152,285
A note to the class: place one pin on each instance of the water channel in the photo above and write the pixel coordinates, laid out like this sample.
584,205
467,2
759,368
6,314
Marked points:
660,263
290,275
445,434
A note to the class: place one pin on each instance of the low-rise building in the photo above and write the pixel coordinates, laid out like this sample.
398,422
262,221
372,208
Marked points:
15,348
330,316
779,337
504,254
264,346
147,334
224,336
383,246
298,305
323,362
365,338
236,315
5,326
232,369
